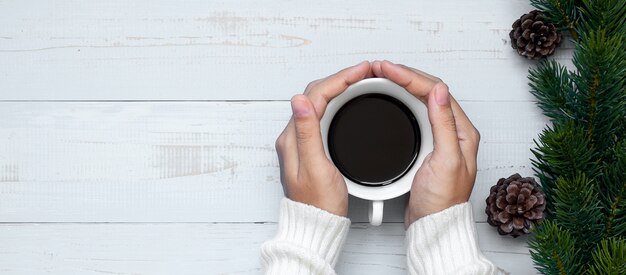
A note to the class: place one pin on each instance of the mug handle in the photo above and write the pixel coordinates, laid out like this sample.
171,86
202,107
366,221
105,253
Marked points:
375,213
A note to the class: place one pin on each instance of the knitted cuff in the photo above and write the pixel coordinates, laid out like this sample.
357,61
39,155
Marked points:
446,243
313,230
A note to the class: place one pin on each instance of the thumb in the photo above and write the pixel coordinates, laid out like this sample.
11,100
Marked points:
308,136
446,141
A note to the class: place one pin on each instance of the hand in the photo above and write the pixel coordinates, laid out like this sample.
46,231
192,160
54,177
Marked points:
447,176
307,175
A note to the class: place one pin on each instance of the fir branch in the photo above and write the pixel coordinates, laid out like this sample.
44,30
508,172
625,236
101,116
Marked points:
609,258
569,23
581,158
551,84
553,250
615,216
578,210
600,80
563,151
608,15
562,13
613,193
593,93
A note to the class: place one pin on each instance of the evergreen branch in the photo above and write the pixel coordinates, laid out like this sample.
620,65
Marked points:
559,263
581,159
608,15
562,13
577,210
553,250
593,91
569,24
551,83
563,151
599,80
614,193
609,258
614,210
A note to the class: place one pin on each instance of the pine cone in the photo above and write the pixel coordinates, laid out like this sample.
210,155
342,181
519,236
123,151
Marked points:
533,37
515,205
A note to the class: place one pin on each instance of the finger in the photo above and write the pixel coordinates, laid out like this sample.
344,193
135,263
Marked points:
330,87
376,69
287,151
456,108
289,125
440,114
369,73
313,84
469,137
462,121
417,84
307,126
422,73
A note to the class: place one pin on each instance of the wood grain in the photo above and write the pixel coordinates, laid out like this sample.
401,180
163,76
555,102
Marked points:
249,50
136,137
202,248
189,162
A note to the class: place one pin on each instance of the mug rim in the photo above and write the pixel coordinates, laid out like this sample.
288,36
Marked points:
386,87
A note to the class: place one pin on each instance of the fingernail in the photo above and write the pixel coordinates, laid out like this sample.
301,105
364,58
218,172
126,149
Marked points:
299,107
441,96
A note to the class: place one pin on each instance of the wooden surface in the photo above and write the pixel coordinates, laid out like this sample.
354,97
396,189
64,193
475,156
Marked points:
137,137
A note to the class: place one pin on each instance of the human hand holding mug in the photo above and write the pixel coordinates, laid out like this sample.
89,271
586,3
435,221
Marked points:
307,175
447,175
377,134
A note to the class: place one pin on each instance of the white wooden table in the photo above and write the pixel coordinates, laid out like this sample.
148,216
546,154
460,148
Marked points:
136,137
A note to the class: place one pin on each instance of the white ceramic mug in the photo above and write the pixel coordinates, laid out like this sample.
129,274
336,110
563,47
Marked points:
377,194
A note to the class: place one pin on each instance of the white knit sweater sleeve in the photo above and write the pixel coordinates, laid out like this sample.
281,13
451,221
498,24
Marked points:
446,243
309,241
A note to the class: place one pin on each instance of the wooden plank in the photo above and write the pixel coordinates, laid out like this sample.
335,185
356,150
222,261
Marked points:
242,50
202,248
189,162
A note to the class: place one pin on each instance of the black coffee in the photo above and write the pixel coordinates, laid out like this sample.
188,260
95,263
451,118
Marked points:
374,139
